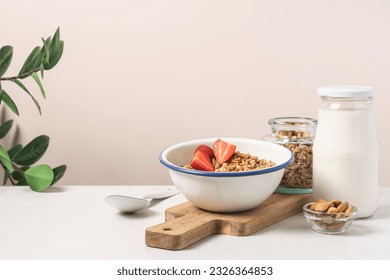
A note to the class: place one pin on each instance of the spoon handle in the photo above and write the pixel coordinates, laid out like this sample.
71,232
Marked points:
161,194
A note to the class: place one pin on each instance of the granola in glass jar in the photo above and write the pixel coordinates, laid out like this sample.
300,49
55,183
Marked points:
296,134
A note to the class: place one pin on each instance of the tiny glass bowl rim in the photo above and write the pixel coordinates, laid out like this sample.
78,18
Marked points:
319,216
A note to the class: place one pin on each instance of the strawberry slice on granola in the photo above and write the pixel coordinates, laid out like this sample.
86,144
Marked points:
201,161
223,151
206,149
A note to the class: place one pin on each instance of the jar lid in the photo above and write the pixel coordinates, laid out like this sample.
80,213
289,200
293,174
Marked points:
346,91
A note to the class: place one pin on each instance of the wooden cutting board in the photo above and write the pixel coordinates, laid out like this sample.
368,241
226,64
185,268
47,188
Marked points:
185,224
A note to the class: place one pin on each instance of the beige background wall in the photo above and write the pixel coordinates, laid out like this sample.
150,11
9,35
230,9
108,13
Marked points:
138,76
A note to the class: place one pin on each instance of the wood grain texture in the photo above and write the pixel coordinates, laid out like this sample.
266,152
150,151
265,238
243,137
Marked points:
185,224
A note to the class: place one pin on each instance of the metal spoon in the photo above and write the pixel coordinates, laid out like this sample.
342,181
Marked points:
129,204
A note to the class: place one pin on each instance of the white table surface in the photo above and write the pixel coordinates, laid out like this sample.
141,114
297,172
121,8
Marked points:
74,223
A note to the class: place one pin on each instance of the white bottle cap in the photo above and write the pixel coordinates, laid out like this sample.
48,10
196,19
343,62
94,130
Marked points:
346,91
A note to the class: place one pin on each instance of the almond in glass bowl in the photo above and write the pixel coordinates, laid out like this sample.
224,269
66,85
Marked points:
333,217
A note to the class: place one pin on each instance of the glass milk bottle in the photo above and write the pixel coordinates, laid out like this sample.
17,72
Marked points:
345,150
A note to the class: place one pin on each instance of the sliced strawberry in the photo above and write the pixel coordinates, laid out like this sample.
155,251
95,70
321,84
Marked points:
201,161
206,149
223,151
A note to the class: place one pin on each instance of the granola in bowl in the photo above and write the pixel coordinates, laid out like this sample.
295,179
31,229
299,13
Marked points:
229,160
240,162
225,192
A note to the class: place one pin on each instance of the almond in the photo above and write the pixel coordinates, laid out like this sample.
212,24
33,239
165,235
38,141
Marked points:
320,200
313,206
322,207
343,207
350,209
332,210
335,202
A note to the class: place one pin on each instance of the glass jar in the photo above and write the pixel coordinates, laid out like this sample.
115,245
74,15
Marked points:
346,149
296,134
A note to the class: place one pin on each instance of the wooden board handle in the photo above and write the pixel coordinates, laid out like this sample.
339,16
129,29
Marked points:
181,232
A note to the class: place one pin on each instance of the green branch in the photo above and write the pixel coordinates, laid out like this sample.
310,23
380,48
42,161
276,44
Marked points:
19,162
19,77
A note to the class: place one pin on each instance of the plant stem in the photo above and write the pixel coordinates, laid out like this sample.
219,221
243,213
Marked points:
9,175
16,169
12,180
24,75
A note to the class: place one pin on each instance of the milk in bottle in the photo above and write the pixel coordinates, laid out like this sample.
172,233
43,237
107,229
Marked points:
345,150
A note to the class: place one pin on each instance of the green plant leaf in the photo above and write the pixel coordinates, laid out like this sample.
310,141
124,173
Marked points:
32,62
5,160
56,37
55,56
56,40
14,150
9,102
39,177
41,70
38,81
5,59
46,50
19,83
33,151
5,127
55,50
22,182
58,173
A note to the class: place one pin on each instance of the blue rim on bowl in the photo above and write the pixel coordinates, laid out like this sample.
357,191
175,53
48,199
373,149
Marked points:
223,174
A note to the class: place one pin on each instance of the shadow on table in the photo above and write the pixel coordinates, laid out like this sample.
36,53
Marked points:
54,190
140,215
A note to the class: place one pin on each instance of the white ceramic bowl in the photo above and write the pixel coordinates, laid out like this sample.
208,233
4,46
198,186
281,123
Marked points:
227,191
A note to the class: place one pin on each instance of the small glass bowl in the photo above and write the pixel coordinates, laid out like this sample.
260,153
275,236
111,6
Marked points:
329,223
